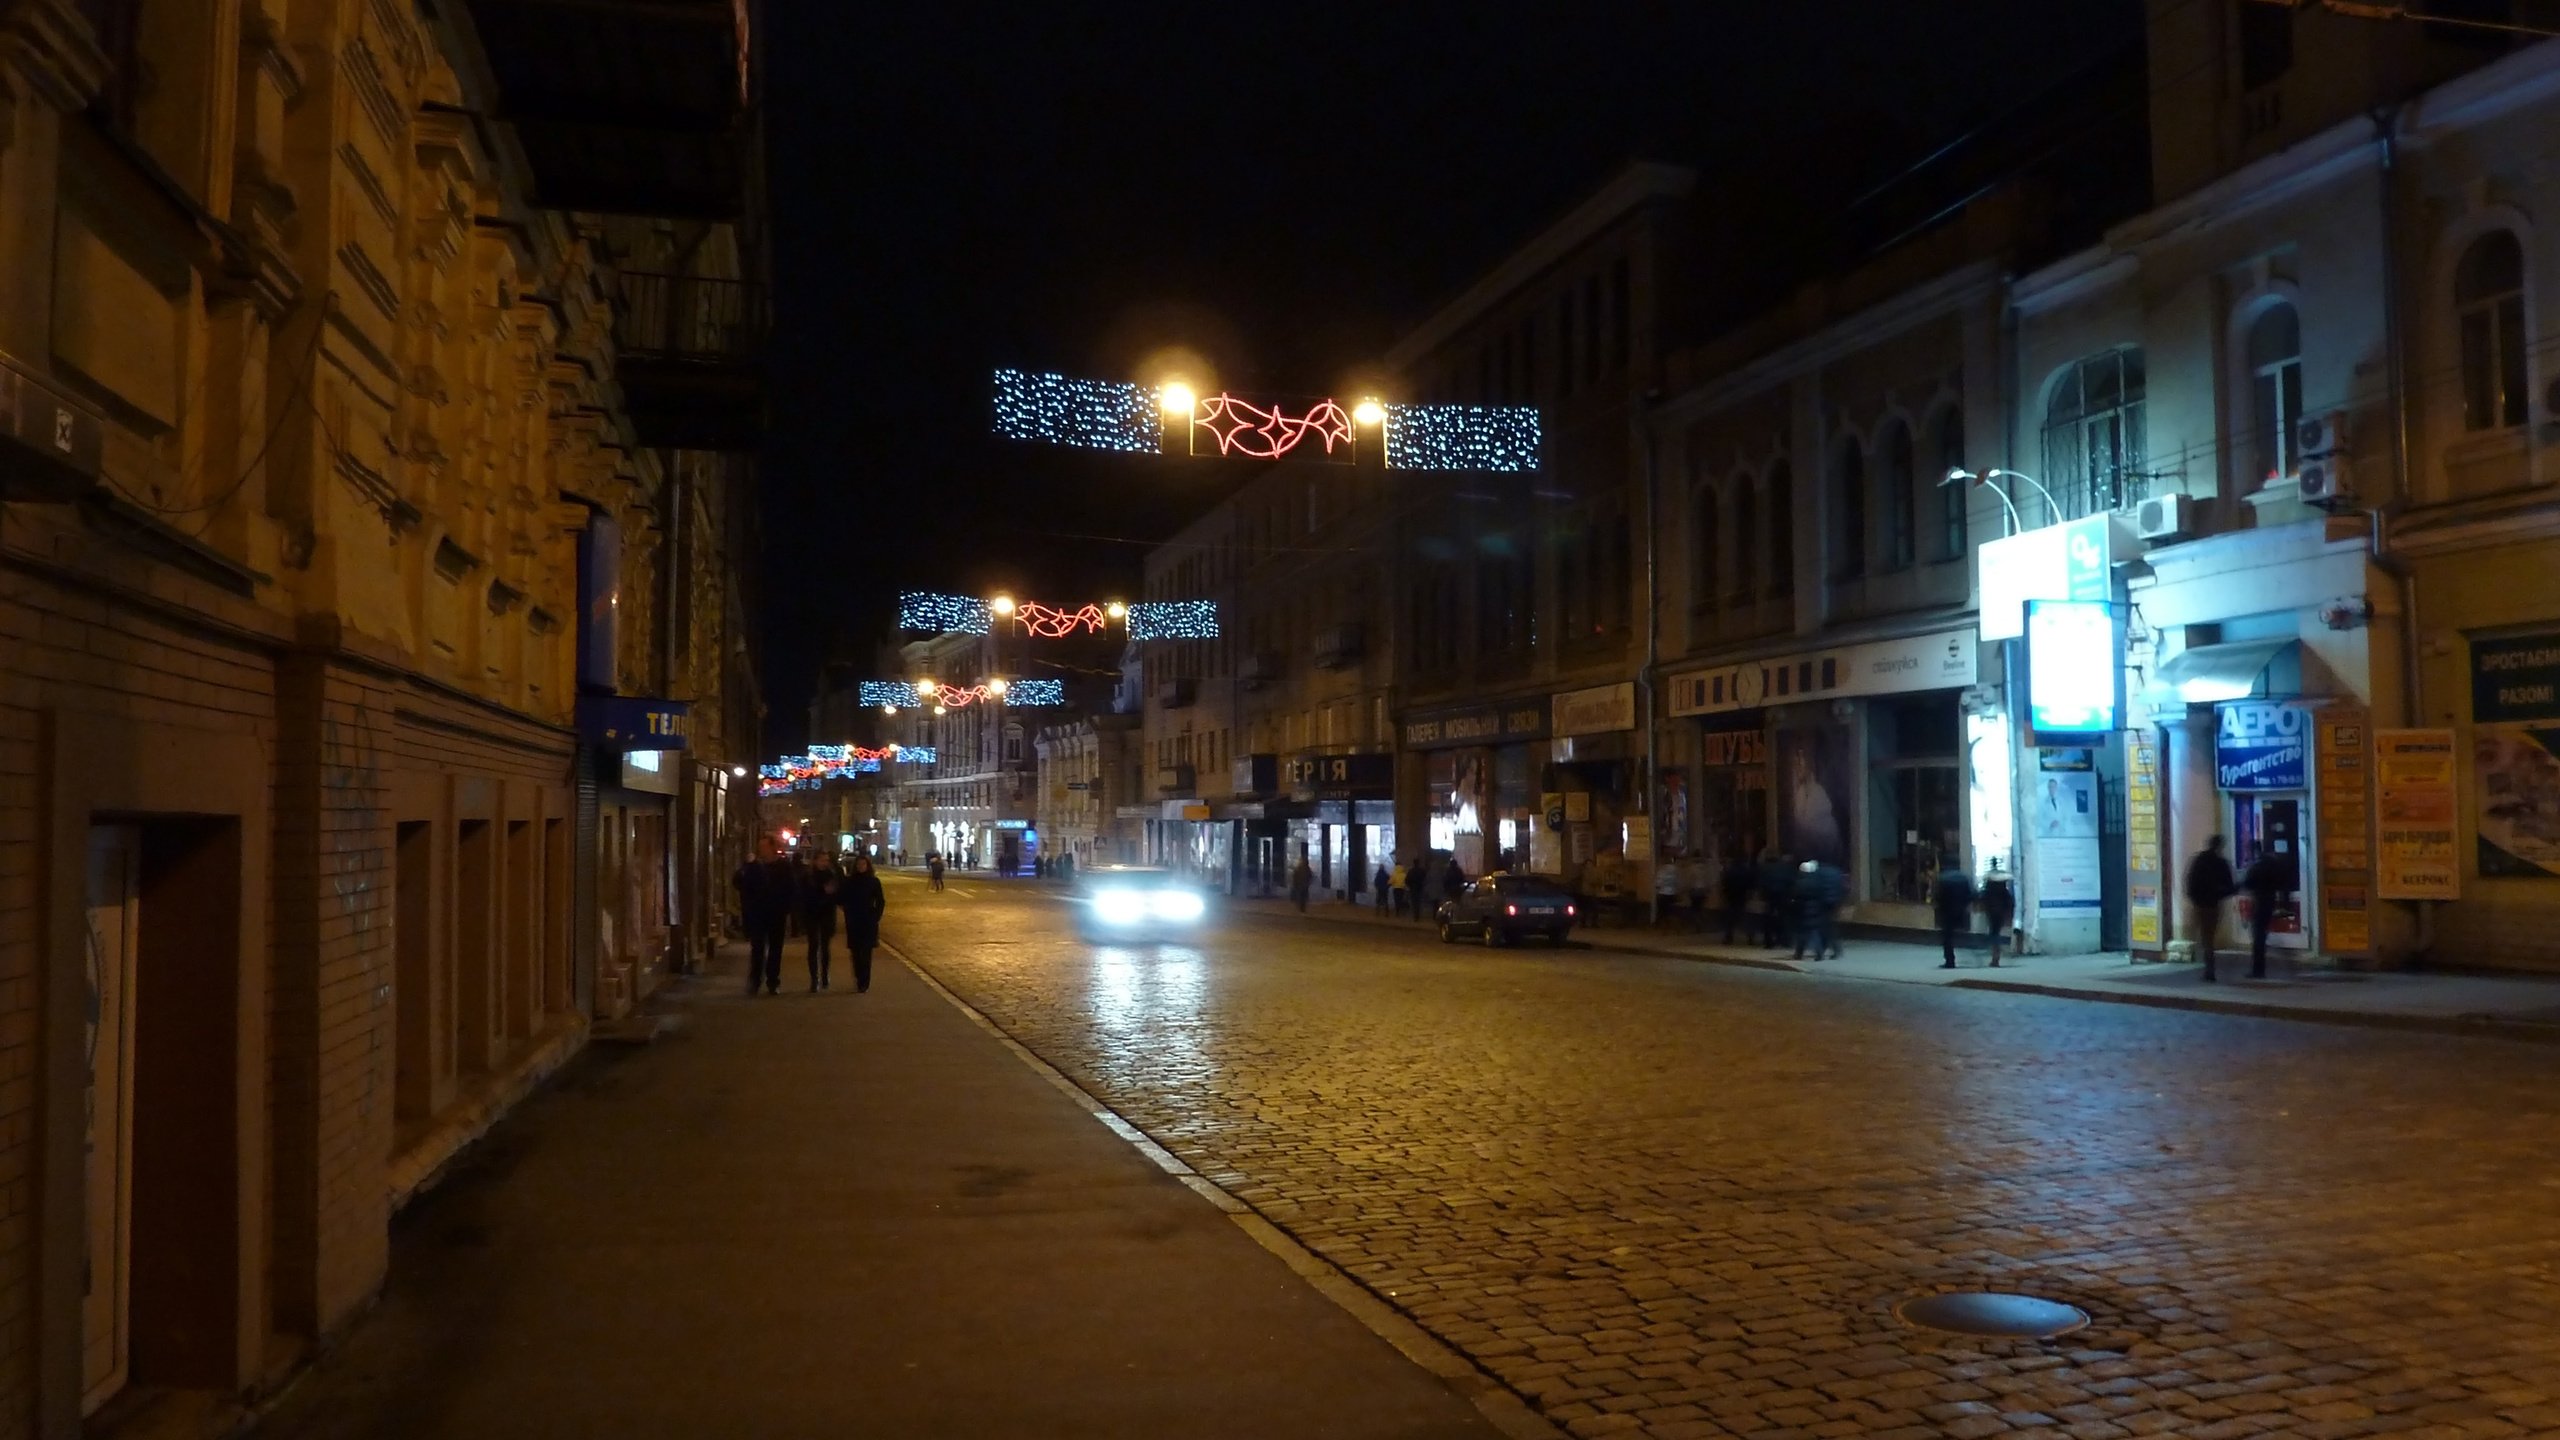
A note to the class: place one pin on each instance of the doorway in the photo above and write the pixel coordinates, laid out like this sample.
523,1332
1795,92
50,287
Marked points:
106,1298
2271,824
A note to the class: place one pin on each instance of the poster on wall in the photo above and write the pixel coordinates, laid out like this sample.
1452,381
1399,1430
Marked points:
2414,850
2142,839
2345,832
1813,792
2515,753
2064,802
1675,810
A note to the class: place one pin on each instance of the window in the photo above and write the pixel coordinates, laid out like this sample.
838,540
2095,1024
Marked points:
1745,570
1621,315
2266,44
1782,531
2093,434
2274,357
1849,527
2488,297
1706,559
1952,499
1901,500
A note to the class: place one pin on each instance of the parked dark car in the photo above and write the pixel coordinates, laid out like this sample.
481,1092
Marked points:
1502,907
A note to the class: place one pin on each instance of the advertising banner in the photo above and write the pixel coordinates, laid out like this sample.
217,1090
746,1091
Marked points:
1815,766
2075,673
2261,745
2414,779
2345,831
1596,711
2142,839
2515,753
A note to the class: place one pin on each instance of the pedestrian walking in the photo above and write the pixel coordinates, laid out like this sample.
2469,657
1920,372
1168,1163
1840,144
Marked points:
863,901
933,869
1302,882
1999,906
2268,876
1953,897
1777,887
2208,886
1453,880
1378,885
1733,885
1819,891
765,893
1399,887
818,919
1418,886
1666,888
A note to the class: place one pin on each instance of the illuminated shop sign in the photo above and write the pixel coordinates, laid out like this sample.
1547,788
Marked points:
2075,674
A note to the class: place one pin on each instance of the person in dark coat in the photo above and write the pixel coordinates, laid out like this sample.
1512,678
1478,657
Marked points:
1453,880
818,919
1733,887
1777,887
863,901
1302,882
1999,907
2208,886
1378,887
765,895
1952,897
2269,876
1819,891
1417,885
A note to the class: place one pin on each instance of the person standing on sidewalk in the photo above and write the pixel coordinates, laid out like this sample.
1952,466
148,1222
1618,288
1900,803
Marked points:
818,919
1302,882
1381,885
1819,890
2208,886
863,902
1666,888
2269,876
765,894
1697,872
1952,897
1398,891
1999,906
1735,887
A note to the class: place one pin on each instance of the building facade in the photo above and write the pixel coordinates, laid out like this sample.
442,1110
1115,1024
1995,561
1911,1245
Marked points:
320,410
1088,770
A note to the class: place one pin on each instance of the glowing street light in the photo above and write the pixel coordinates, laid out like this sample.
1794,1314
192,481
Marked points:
1177,398
738,770
1369,412
996,686
1002,604
888,709
925,688
1116,610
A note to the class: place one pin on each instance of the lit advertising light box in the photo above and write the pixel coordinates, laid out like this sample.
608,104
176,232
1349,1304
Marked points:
2075,671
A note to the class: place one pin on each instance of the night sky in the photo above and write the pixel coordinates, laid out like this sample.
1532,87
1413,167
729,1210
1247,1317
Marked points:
1282,188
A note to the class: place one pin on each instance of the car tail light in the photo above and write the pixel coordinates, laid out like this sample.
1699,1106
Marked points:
1510,909
1568,910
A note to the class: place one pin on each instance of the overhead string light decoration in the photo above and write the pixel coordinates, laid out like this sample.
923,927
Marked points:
1088,414
1020,694
891,693
1462,437
941,614
1035,693
1174,620
1239,427
1050,623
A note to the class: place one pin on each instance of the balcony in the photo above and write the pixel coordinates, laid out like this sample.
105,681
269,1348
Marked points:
625,107
1175,694
690,356
1177,782
1260,669
1339,646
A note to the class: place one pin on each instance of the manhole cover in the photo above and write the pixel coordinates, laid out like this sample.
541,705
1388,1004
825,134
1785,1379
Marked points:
1976,1313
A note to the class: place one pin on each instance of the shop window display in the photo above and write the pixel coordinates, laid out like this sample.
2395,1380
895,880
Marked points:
1915,795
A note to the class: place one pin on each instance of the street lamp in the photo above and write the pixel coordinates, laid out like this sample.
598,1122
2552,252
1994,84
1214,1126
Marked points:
925,688
888,709
996,686
1116,610
1992,477
1176,398
1369,411
738,770
1001,604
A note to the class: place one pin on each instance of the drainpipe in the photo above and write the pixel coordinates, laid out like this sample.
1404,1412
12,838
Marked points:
1652,641
2386,125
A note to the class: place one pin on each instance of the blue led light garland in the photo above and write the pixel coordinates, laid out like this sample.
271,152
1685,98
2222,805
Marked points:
1088,414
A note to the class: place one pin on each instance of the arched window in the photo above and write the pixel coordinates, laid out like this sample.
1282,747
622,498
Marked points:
1901,499
2274,357
1952,499
1782,531
1745,574
1849,524
2093,434
1706,539
2488,297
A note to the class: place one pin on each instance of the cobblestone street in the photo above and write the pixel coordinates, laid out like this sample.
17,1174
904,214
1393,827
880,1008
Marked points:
1681,1200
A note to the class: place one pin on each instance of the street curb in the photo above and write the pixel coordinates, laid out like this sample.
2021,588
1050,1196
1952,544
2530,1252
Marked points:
1501,1407
2465,1027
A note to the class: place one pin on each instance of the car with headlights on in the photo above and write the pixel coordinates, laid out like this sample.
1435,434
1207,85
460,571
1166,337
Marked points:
1136,902
1502,907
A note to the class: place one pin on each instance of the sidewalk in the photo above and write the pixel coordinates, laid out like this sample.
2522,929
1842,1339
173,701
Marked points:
2514,1007
845,1215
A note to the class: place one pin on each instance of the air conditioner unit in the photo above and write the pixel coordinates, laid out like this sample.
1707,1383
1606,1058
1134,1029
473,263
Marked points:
2320,434
2164,517
2324,481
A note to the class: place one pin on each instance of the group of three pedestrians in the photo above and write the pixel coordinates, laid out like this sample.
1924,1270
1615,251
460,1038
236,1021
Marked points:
773,890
